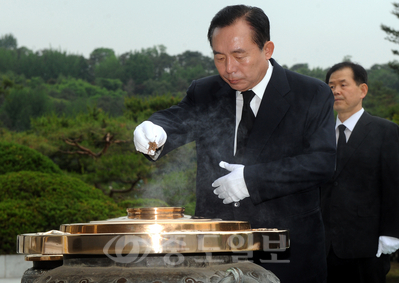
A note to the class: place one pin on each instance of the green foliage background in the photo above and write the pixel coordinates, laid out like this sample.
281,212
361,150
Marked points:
15,157
38,202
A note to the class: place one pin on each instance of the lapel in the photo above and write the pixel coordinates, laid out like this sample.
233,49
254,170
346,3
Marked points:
271,111
357,137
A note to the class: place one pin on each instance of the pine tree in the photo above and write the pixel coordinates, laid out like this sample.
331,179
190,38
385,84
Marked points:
393,36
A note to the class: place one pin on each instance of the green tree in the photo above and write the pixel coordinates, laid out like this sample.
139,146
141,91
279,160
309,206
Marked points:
15,157
95,148
49,64
8,41
140,109
72,96
192,59
304,69
8,60
393,36
109,68
37,202
187,67
162,61
380,100
21,105
138,67
384,74
113,105
29,139
5,86
97,56
109,84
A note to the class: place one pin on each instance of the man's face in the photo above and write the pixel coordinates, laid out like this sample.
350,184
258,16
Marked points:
347,94
238,59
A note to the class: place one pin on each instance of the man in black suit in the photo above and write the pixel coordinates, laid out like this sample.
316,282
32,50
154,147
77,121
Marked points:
360,204
269,174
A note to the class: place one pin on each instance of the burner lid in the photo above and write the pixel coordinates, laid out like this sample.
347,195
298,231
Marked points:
153,230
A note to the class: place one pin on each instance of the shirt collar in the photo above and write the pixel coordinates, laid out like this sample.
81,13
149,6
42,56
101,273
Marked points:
350,123
260,88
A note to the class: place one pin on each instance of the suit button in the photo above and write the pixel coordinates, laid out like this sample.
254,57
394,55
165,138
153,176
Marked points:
335,184
237,204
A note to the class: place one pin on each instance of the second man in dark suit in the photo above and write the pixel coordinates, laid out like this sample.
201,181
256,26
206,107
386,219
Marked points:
360,204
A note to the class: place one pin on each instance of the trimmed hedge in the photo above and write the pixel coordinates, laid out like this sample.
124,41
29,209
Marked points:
36,202
15,157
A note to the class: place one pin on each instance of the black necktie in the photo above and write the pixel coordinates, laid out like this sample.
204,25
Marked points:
246,123
341,142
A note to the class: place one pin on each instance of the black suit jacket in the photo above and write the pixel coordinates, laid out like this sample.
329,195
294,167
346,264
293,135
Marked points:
361,202
290,152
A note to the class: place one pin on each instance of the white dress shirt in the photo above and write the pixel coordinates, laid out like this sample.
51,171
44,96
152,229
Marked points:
350,124
259,90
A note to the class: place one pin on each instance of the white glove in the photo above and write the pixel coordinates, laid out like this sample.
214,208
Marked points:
387,245
231,187
148,132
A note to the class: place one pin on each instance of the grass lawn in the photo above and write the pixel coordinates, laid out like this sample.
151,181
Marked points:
393,275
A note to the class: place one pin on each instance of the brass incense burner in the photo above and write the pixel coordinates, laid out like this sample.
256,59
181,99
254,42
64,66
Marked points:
162,238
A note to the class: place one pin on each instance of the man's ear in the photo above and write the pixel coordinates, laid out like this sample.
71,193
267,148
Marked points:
364,89
268,49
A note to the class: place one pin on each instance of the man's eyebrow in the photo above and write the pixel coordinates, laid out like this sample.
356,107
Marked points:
237,51
338,81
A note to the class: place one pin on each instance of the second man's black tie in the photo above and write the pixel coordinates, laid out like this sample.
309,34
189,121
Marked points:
341,142
246,123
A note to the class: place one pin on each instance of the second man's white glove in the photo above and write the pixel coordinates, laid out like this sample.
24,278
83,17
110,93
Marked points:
148,137
387,245
231,187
